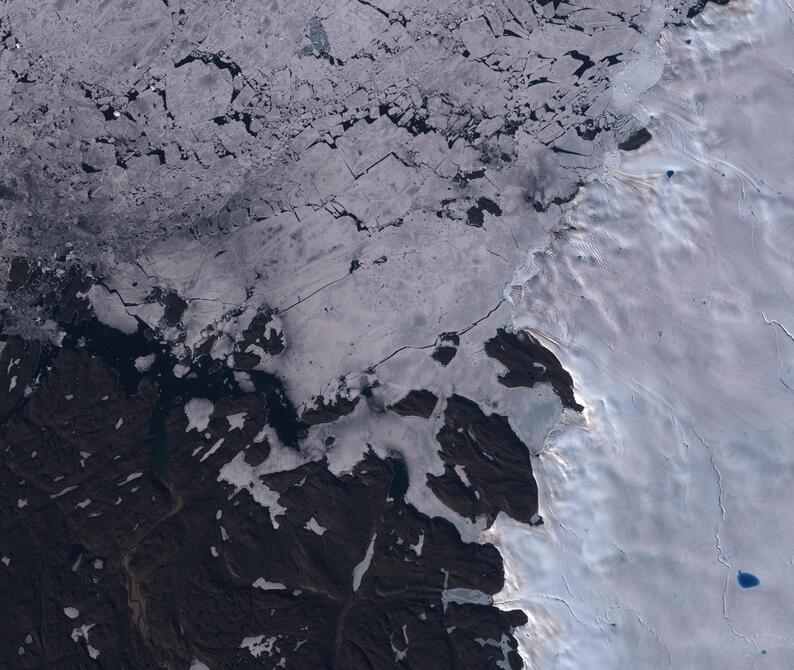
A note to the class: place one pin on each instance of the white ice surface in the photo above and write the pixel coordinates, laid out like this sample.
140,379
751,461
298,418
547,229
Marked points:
110,310
672,304
180,370
144,363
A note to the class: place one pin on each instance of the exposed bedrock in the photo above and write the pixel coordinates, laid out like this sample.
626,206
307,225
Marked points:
419,403
528,363
487,467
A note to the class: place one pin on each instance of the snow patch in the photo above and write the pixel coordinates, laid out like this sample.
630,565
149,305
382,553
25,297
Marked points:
265,585
198,412
236,421
314,527
361,569
130,478
212,450
246,478
259,644
417,548
81,633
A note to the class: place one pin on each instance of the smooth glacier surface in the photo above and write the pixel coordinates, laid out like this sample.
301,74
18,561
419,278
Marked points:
670,300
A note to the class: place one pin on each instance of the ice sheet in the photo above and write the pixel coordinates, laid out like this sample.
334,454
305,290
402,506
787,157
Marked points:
667,293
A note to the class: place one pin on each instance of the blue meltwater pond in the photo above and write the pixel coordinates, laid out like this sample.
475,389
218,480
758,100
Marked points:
747,580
